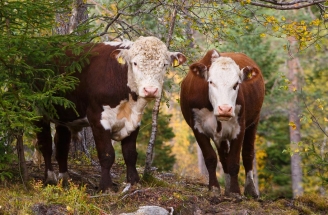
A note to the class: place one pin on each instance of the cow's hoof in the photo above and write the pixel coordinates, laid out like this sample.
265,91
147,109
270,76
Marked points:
114,187
214,191
51,178
63,178
250,190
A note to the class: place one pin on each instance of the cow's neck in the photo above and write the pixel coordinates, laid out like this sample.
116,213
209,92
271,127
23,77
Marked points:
124,118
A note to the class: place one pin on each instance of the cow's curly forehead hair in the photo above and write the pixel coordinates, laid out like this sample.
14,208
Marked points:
149,48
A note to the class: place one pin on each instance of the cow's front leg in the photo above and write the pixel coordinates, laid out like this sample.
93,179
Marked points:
130,157
44,144
210,159
105,151
62,142
231,164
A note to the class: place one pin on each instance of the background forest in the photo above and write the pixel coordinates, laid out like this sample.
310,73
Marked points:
287,39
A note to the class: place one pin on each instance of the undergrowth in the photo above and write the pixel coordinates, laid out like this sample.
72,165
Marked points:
184,195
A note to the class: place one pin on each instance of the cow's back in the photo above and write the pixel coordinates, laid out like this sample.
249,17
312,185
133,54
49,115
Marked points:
102,82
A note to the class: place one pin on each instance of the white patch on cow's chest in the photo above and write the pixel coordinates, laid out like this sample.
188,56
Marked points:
124,118
206,123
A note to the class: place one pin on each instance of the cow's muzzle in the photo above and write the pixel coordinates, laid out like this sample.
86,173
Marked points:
225,112
150,92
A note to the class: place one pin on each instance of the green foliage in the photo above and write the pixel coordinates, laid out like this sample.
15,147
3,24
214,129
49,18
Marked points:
30,60
6,157
163,157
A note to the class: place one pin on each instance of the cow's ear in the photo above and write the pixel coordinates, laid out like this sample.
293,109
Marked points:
177,58
248,72
118,55
199,69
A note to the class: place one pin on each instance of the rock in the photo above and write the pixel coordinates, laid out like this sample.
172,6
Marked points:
149,210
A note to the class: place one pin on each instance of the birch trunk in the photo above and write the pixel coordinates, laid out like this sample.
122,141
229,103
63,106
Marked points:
295,134
21,158
151,144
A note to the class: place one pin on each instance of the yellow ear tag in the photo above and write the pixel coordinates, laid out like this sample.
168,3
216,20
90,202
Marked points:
175,63
121,60
249,76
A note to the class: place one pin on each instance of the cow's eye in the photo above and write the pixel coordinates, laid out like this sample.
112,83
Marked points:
135,63
210,82
165,64
235,86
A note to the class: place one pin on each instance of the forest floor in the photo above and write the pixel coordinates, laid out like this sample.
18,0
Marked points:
178,195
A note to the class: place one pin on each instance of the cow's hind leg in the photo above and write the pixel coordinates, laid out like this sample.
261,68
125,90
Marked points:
62,142
210,158
44,143
248,154
130,157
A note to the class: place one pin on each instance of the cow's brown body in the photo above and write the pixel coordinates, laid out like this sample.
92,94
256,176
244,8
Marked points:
105,101
195,96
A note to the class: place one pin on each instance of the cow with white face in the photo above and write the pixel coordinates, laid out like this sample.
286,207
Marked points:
113,90
148,60
221,98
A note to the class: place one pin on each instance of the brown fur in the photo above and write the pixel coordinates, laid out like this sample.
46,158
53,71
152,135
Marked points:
102,82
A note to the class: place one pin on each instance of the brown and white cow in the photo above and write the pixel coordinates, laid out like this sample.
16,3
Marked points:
221,98
110,97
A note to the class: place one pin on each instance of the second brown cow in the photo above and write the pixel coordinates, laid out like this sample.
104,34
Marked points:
221,98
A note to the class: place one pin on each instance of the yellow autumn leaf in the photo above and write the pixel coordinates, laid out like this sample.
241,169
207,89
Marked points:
69,209
263,35
293,125
326,120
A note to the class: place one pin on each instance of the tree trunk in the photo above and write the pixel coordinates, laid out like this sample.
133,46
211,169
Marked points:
67,23
322,154
295,135
151,144
21,158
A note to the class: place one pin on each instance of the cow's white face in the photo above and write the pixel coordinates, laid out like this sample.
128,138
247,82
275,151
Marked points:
224,77
148,60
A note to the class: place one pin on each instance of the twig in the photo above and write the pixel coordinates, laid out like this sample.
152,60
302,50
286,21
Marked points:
283,6
131,194
313,118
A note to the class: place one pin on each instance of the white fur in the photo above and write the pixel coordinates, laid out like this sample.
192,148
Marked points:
249,179
148,60
123,44
227,180
122,128
223,74
63,176
51,176
206,123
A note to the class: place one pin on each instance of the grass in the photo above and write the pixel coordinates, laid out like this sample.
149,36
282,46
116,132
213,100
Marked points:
184,195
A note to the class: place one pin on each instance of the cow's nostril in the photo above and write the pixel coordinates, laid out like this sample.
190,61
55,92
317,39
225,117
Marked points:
150,91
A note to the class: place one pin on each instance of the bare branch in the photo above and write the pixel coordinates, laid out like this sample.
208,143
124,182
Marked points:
313,118
293,5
